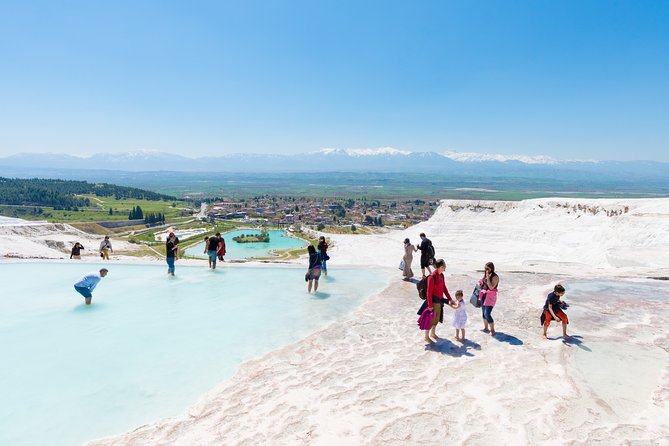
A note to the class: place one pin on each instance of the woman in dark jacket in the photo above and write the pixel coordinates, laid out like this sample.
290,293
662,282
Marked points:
323,251
314,272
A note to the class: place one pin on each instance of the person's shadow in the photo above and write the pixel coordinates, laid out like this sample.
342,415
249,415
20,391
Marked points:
446,347
576,340
320,295
509,339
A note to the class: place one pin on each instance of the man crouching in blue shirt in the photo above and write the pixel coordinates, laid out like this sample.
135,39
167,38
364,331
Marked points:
87,284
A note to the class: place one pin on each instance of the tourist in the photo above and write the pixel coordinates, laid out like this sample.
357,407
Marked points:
460,316
105,248
426,254
171,252
436,289
88,282
221,247
210,248
76,251
409,249
323,251
206,245
488,297
314,272
553,310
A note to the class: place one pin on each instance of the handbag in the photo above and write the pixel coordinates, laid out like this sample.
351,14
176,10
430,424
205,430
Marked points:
474,300
402,264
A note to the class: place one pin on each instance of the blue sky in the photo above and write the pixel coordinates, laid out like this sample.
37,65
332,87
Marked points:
567,79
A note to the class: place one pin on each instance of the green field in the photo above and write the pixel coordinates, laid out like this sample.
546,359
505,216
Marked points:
98,211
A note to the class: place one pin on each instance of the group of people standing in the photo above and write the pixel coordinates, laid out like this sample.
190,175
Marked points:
484,296
426,256
438,296
105,249
318,258
214,247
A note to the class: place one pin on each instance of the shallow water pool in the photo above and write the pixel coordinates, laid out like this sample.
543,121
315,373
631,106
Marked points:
235,251
149,346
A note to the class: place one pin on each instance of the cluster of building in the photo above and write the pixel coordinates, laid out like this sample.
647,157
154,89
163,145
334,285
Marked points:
326,212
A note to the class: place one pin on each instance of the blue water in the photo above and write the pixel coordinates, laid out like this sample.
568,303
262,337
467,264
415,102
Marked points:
236,251
149,346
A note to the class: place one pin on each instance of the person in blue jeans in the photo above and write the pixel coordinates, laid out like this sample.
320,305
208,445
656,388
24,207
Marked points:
171,248
210,248
323,251
488,297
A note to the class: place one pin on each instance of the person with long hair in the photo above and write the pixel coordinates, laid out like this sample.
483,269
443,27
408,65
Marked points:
436,290
409,249
171,249
314,271
488,297
323,251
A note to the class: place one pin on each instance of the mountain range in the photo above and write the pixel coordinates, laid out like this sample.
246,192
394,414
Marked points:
345,160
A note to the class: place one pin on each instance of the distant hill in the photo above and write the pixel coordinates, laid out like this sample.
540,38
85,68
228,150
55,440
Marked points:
338,160
62,194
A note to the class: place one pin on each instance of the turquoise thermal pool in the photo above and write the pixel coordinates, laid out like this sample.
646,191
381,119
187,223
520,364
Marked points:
150,345
236,251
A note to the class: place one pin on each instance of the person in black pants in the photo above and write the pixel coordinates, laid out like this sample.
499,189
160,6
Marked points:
426,254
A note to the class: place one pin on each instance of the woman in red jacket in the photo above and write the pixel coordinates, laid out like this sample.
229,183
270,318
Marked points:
436,289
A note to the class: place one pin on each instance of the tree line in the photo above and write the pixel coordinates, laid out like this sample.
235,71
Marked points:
149,218
62,194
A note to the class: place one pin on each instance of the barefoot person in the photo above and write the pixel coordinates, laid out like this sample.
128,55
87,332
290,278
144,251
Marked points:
459,316
409,249
488,296
76,251
171,250
105,248
426,254
210,248
323,251
314,272
436,289
553,310
87,284
220,252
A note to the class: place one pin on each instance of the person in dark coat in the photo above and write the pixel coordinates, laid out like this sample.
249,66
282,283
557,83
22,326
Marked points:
426,254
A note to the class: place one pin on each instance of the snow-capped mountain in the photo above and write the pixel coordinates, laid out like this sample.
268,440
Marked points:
384,159
474,157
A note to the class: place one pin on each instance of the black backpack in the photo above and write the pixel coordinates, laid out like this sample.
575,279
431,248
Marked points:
430,250
421,286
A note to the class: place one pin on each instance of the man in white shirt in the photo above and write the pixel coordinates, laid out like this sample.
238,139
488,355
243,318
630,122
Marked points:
88,282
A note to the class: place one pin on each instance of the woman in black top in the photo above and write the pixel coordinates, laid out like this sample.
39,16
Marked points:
314,272
323,251
76,251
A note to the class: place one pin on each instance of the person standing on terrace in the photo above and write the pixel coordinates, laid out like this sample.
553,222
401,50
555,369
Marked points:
426,254
220,252
76,251
171,250
211,247
314,271
105,248
323,251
